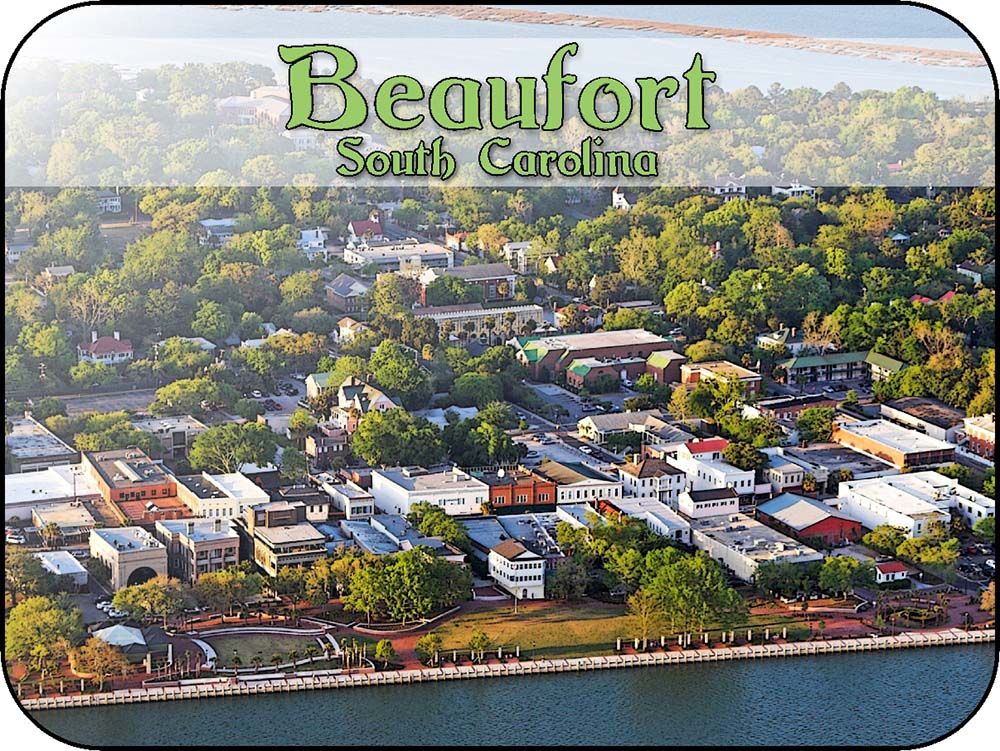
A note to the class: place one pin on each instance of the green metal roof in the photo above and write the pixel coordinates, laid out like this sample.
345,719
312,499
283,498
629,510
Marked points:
885,362
663,358
581,369
816,361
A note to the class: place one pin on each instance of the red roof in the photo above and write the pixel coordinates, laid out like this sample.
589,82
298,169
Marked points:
706,445
363,226
891,567
107,345
921,298
946,296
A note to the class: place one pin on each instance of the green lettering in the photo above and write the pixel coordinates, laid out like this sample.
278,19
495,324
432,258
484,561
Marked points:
301,82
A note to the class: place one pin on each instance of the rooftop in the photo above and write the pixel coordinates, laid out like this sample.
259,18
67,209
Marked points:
29,439
401,250
415,479
60,563
124,538
512,550
478,271
620,421
64,515
593,340
477,308
187,423
230,485
650,468
346,285
833,456
916,492
982,422
797,511
126,468
199,530
302,532
931,411
893,436
752,539
567,473
722,368
53,484
368,538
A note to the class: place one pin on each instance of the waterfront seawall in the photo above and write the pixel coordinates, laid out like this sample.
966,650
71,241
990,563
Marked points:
272,685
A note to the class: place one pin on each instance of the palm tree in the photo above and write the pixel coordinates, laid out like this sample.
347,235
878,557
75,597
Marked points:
236,662
311,651
277,659
257,661
293,656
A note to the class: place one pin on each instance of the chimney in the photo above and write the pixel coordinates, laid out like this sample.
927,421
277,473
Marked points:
118,336
793,332
93,337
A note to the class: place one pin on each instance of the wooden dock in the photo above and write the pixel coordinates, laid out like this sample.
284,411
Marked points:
249,685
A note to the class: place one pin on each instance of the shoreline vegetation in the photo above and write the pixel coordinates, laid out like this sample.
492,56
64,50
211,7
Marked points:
848,47
266,684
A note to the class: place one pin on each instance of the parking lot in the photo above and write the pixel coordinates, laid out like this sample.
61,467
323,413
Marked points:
574,404
286,403
561,448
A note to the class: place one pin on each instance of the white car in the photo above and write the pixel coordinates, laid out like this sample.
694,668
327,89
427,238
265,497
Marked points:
256,394
15,539
104,605
116,613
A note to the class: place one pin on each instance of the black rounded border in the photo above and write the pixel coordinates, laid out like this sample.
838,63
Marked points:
913,3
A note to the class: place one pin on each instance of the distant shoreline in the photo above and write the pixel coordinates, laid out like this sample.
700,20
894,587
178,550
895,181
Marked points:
880,51
205,689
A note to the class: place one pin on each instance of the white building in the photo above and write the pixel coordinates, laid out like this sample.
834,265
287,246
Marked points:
25,492
659,517
397,489
713,474
401,256
349,499
131,554
313,243
518,570
216,231
890,571
577,482
794,190
911,501
730,191
175,434
109,202
107,350
742,544
222,496
699,504
61,563
652,479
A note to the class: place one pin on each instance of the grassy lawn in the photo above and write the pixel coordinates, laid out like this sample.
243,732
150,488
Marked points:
574,630
267,644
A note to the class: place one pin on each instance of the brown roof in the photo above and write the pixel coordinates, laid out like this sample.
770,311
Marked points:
107,345
510,549
650,468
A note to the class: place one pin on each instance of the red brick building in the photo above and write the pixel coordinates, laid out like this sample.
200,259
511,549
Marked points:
139,490
518,491
808,520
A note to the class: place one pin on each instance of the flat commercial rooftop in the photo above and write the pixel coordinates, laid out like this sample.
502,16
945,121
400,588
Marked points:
71,515
201,530
916,492
368,538
29,439
127,537
894,436
930,411
596,340
754,540
438,479
833,456
52,484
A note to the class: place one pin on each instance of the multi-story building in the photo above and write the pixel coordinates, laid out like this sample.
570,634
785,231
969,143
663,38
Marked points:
516,491
549,356
905,449
659,517
276,535
697,504
837,367
912,500
497,281
404,256
347,294
794,190
398,489
198,546
825,462
348,498
696,372
141,490
587,372
517,570
31,447
787,408
929,416
314,243
129,555
981,432
327,444
109,202
665,366
215,232
577,482
652,479
480,321
175,434
220,496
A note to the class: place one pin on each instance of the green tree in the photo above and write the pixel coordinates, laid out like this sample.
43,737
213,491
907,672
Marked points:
100,659
385,652
428,645
397,438
225,448
159,597
815,424
40,630
24,574
744,456
885,539
644,615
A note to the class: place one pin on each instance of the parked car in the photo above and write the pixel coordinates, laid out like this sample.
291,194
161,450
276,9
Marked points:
16,539
116,613
104,605
256,394
586,449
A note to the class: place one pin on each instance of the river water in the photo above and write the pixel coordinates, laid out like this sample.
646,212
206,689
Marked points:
903,698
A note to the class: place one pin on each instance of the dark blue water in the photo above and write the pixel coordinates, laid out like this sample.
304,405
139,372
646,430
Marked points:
903,698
